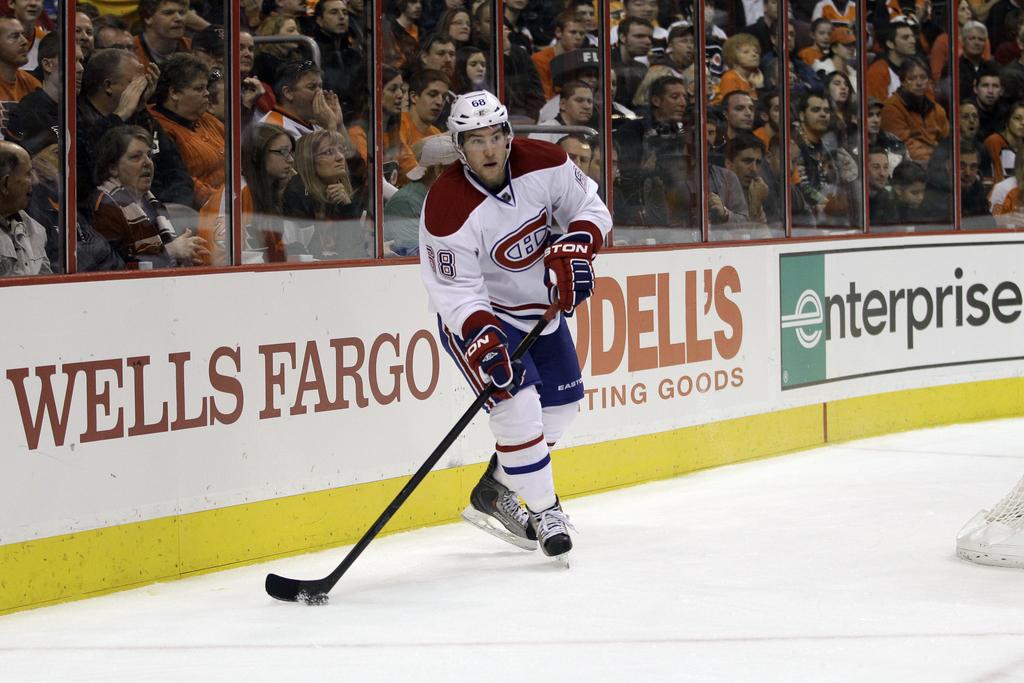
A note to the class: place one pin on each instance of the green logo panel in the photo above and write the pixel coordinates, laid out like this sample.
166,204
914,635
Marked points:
802,323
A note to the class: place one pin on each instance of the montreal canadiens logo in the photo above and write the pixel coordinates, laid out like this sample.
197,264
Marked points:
524,246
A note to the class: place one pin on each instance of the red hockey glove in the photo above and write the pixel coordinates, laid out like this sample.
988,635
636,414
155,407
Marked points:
568,272
487,353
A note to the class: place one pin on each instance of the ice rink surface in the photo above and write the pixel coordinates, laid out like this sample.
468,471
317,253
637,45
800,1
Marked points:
836,564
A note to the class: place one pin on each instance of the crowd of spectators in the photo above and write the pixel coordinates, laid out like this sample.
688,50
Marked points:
152,102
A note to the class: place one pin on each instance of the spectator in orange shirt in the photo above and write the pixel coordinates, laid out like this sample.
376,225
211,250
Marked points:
182,108
15,82
821,34
392,94
913,115
164,32
402,32
427,92
27,12
569,35
1002,146
742,54
770,116
882,79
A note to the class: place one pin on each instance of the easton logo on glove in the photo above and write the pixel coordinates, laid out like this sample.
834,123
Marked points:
568,249
568,272
484,341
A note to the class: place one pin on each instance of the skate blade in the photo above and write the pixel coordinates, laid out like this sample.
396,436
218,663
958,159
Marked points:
487,523
562,560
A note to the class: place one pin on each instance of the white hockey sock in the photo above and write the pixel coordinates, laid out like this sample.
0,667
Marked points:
523,459
526,469
557,419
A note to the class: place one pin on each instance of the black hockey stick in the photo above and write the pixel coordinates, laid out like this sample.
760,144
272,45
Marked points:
314,592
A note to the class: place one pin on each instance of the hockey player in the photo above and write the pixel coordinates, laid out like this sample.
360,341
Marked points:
491,264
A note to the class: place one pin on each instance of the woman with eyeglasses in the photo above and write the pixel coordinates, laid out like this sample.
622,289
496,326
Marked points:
456,24
268,164
182,108
322,201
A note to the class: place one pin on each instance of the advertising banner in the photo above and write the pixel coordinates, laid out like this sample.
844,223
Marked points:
890,311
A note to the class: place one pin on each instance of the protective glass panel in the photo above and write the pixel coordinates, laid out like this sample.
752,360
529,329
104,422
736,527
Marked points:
305,191
654,133
825,174
32,51
910,143
433,51
568,73
151,137
990,80
744,183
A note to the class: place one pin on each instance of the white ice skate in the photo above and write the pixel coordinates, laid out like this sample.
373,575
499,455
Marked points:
552,528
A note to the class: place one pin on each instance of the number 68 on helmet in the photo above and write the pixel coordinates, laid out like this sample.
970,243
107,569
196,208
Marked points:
475,110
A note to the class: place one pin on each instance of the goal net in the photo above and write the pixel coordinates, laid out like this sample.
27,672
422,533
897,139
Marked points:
996,537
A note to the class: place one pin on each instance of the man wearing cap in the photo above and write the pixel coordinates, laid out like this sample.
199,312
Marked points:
402,212
841,55
679,54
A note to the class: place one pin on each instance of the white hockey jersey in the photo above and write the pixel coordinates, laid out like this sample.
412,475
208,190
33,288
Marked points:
482,251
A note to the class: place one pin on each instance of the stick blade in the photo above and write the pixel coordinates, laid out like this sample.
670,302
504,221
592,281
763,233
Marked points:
295,590
283,588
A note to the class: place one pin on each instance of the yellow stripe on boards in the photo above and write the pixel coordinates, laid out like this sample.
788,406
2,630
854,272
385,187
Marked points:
62,568
625,462
900,411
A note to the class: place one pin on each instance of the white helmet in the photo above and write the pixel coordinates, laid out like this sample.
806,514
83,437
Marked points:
473,110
